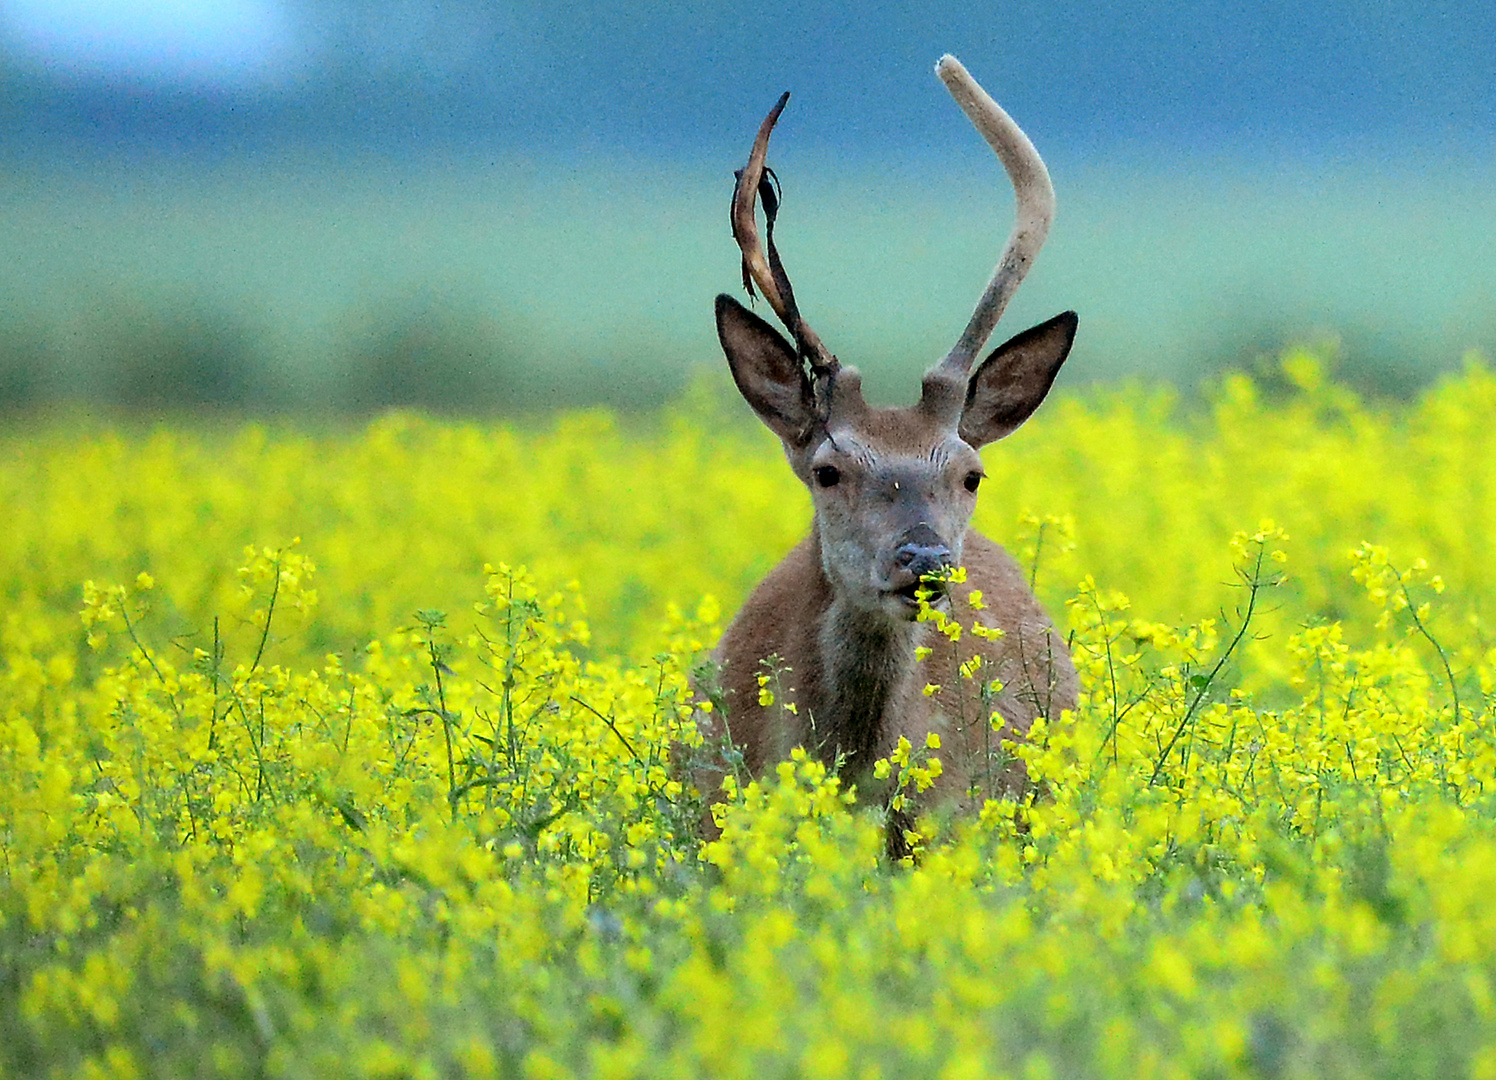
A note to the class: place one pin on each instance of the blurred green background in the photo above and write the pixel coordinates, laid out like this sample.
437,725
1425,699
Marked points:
293,206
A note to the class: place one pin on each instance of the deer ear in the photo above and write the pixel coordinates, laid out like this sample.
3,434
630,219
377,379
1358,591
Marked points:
1014,379
767,370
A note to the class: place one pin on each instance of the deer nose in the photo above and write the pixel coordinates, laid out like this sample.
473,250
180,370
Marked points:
921,551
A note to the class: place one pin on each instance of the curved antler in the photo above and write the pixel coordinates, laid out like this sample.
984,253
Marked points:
1032,217
756,181
750,179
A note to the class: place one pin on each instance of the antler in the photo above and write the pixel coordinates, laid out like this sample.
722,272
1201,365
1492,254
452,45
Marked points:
1035,210
756,181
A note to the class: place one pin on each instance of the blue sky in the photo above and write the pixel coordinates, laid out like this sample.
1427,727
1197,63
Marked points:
1091,74
222,42
1231,175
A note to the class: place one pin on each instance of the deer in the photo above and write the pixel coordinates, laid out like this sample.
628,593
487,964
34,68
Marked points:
835,628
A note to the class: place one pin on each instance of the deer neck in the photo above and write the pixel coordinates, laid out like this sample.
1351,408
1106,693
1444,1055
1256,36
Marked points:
867,673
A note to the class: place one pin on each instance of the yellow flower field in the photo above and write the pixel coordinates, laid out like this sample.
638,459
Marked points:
360,753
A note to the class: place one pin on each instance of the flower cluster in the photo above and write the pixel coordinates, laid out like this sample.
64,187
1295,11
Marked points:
377,804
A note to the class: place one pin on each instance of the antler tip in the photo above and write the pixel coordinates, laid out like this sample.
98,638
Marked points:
1032,216
948,68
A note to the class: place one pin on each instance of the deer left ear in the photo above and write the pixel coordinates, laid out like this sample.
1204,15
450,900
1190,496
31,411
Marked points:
767,370
1014,379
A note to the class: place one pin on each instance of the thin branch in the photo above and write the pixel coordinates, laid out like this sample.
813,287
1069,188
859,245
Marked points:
611,727
1253,585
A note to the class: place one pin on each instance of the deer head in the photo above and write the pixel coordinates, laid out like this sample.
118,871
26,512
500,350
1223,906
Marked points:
893,489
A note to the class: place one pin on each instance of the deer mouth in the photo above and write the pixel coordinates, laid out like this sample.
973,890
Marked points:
936,595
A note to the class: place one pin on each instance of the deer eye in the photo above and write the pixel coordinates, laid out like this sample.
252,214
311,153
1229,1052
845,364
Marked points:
827,475
973,480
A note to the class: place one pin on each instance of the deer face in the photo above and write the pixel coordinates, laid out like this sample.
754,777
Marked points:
893,489
892,502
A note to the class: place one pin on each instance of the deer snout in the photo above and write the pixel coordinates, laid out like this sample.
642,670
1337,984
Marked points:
921,551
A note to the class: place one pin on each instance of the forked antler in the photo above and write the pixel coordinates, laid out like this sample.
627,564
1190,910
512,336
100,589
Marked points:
1032,217
756,181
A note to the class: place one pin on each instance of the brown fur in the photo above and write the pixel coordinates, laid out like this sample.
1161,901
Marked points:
847,718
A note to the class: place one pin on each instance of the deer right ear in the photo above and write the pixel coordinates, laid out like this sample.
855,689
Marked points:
1011,382
767,370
